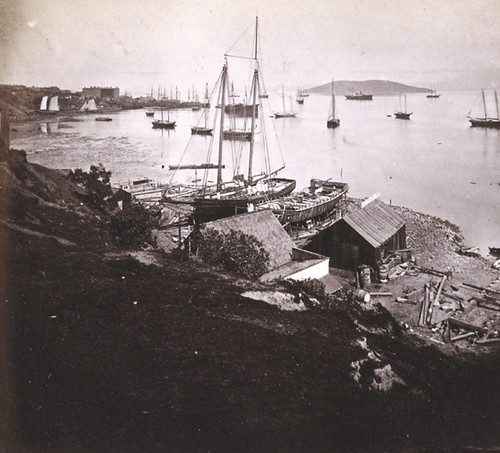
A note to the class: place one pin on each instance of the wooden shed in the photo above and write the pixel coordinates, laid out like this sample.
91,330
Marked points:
364,236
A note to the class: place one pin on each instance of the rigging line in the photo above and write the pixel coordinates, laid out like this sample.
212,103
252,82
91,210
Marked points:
236,42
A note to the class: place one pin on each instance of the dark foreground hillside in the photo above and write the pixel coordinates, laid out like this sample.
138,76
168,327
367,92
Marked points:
104,353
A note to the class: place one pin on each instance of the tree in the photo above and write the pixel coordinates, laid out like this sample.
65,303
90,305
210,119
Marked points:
132,226
96,183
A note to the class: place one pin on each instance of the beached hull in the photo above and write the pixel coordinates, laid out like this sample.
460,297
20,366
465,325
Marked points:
209,208
306,206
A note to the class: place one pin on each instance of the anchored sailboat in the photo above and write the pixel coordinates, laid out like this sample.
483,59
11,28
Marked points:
204,130
243,191
400,114
284,113
164,124
486,121
332,121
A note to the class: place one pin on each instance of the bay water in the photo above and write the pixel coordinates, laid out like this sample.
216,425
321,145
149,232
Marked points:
434,163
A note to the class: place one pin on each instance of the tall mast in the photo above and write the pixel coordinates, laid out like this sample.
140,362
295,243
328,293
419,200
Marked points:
256,35
283,97
221,136
484,105
252,130
496,103
333,102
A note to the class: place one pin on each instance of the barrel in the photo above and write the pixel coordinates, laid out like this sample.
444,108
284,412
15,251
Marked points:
362,295
383,272
364,276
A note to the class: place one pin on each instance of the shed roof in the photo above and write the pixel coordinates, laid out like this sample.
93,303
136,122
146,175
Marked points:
376,222
264,226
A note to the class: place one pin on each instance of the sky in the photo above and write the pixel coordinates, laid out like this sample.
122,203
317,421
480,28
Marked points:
137,45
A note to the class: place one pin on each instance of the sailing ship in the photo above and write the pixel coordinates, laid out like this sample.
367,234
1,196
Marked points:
88,106
486,121
332,121
284,113
358,96
150,113
49,105
433,93
242,192
203,130
400,114
164,124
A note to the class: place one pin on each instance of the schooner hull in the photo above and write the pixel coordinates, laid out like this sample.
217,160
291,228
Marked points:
212,208
490,123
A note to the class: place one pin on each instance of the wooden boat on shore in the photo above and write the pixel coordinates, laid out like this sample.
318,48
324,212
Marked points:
244,191
319,199
488,122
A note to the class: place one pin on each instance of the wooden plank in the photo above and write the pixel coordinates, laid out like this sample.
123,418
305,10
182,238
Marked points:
479,288
463,336
465,325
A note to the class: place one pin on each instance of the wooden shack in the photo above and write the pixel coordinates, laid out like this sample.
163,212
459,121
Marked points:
364,236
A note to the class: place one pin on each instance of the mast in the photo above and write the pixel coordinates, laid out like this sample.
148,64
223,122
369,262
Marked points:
252,130
333,102
496,103
283,97
484,105
221,135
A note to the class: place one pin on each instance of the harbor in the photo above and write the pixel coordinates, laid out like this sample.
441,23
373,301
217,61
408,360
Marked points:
271,232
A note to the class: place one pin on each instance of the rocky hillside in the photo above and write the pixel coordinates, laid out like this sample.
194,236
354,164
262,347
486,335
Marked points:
107,351
375,87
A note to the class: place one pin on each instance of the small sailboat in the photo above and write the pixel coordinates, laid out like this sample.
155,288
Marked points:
402,114
284,113
49,104
433,93
203,130
150,113
89,106
489,122
300,96
164,124
332,121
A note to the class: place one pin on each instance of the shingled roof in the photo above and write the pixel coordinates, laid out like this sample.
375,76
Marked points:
376,222
264,226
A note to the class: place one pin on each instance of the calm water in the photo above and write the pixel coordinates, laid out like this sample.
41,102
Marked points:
434,163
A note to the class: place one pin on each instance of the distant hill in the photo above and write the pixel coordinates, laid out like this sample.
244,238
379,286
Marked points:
376,87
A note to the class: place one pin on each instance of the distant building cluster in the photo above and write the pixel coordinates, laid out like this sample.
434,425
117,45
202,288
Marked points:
99,92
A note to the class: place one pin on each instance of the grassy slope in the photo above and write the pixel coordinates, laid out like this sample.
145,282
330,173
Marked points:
114,355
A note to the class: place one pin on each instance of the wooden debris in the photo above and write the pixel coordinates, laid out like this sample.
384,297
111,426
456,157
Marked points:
433,271
466,325
463,336
381,294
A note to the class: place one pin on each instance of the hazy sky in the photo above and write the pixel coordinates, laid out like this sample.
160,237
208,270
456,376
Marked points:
135,44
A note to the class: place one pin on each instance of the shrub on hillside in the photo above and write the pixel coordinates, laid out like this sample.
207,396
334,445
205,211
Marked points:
233,251
132,226
96,182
